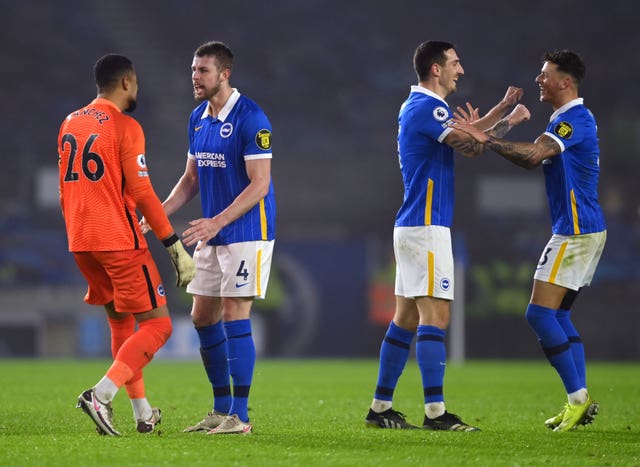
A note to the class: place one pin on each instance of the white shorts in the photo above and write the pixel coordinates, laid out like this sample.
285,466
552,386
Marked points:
424,261
235,270
570,261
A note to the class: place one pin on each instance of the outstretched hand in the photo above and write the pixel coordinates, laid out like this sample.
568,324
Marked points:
480,136
470,115
518,115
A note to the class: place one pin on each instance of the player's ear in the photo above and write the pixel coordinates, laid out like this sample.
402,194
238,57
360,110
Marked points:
226,73
567,81
126,81
435,69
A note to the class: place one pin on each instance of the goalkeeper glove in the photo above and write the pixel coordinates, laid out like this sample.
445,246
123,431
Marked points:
182,261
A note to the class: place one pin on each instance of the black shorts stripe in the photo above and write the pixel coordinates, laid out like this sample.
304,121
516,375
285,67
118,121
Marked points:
150,289
575,340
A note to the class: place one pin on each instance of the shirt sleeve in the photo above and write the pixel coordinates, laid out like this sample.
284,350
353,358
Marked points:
138,184
567,130
190,134
256,133
433,121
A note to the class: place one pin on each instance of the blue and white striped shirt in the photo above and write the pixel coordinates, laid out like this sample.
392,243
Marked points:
571,178
426,162
220,146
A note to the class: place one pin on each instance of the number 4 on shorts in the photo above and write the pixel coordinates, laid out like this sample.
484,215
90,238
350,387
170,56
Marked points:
242,271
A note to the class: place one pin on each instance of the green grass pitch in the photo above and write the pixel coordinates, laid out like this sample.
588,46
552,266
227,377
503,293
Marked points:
311,412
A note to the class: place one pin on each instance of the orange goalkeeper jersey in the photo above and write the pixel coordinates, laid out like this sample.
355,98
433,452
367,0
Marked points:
104,178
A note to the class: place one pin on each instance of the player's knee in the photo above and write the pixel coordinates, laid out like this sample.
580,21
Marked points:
165,329
159,328
236,308
536,315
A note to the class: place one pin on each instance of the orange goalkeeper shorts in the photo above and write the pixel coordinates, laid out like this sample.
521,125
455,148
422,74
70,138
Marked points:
128,278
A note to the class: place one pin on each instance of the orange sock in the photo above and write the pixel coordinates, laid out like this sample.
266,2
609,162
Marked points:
121,330
138,350
119,373
135,386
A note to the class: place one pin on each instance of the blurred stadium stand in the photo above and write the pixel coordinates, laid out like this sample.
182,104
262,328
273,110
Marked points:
331,76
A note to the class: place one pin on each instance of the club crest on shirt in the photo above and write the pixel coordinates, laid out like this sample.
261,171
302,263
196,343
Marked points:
440,114
226,130
563,130
142,163
263,139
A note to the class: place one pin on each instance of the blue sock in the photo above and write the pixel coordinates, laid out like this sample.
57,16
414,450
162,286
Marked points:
394,353
575,343
555,344
242,359
432,357
213,350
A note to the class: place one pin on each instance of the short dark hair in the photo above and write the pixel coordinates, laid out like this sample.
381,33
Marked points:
109,69
427,54
217,49
567,62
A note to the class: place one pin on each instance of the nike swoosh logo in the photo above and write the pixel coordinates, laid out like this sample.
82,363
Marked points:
240,285
198,128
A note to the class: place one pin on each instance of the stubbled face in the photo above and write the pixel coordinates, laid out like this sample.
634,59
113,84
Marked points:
206,77
450,72
132,97
550,82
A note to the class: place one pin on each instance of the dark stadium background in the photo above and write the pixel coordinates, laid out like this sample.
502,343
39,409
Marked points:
331,76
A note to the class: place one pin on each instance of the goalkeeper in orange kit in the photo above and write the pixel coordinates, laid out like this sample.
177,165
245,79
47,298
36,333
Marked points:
103,180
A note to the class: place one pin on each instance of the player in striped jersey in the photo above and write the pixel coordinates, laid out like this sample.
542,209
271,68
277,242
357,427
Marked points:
422,239
229,163
103,179
570,157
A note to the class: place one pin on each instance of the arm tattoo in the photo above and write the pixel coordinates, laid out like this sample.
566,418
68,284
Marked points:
521,154
499,129
467,146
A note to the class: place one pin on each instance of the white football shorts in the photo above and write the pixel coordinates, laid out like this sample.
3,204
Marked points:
424,261
236,270
570,261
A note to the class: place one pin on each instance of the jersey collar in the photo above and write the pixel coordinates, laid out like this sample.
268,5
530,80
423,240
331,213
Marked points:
567,106
226,110
428,92
103,101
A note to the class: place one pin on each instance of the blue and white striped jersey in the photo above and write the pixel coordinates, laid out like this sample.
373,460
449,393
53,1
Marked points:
426,162
220,146
571,178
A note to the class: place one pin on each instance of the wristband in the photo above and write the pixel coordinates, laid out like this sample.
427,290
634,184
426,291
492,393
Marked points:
167,242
